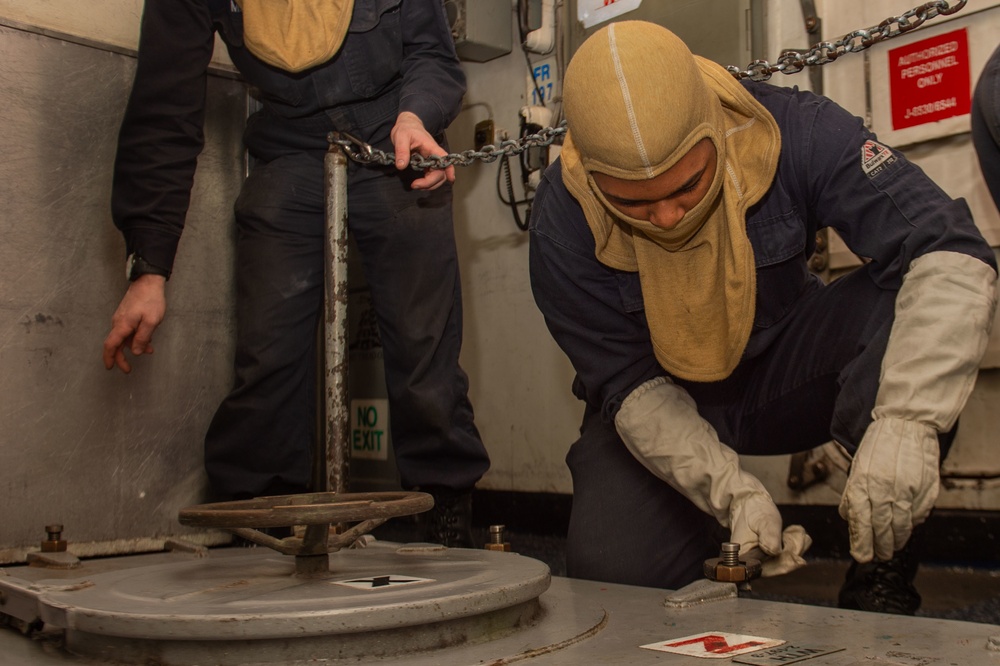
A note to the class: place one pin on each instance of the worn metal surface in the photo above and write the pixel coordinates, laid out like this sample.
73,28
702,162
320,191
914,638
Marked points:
580,622
337,400
224,609
109,456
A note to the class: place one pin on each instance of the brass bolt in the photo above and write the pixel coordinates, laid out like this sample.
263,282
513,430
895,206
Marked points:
496,540
53,542
728,568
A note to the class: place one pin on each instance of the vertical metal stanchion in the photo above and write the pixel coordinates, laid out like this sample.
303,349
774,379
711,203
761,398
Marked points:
335,395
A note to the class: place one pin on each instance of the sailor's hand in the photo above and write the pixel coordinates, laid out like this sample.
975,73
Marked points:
891,488
755,523
141,310
409,136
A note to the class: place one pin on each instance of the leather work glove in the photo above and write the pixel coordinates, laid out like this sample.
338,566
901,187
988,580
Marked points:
755,523
892,486
660,425
794,543
943,315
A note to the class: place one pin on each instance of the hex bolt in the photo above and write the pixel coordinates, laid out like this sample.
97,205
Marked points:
730,554
496,539
53,542
729,568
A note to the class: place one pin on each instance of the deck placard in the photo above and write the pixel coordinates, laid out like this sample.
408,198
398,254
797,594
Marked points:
714,645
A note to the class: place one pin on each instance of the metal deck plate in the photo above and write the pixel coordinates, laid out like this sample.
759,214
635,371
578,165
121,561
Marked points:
381,600
573,622
258,597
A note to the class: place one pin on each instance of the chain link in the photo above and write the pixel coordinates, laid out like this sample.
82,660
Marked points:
365,154
822,53
790,62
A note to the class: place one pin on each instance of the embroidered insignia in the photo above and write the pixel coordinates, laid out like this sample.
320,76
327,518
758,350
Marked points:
875,158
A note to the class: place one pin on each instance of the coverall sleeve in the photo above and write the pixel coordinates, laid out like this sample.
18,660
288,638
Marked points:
433,80
594,312
161,133
884,207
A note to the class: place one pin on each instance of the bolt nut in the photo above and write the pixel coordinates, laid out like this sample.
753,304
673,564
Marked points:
53,542
729,568
496,542
716,569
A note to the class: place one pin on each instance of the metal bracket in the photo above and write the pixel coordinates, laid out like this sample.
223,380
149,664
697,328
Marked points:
814,28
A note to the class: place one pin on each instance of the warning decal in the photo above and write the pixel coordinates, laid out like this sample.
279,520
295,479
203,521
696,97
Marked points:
714,645
930,80
381,582
875,157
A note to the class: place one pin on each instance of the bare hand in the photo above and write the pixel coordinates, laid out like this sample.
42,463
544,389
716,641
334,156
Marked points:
139,313
409,136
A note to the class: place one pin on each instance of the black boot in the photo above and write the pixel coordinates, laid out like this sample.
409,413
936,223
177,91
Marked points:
882,587
449,522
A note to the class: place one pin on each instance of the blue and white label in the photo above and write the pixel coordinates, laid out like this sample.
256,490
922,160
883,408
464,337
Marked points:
547,83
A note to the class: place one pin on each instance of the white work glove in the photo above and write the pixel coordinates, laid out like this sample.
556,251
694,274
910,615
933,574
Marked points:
794,543
944,312
892,486
660,425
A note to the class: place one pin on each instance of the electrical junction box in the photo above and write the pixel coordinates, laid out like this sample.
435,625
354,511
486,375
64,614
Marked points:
481,28
724,31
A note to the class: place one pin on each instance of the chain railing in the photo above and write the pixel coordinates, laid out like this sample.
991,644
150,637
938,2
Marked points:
790,62
825,52
360,151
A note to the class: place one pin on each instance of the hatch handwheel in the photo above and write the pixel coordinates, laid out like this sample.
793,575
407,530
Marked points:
316,511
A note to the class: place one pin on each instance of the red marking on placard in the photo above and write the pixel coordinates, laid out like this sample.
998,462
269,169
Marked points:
715,644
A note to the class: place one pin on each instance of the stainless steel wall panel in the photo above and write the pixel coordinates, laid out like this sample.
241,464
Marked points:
109,456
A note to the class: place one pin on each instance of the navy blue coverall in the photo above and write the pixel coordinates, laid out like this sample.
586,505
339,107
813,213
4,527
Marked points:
398,56
810,370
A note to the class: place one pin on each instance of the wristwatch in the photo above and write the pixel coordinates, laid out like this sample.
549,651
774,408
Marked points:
136,266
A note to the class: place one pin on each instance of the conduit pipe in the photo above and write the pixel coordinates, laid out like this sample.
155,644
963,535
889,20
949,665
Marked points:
543,40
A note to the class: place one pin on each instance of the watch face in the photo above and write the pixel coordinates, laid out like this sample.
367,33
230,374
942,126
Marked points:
129,265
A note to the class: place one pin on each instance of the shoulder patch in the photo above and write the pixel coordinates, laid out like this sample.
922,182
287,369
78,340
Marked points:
875,157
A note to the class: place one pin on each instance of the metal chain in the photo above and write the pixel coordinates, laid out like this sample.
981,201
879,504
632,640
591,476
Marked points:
822,53
365,154
790,62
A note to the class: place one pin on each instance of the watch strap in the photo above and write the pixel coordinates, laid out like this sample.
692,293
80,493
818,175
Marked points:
136,266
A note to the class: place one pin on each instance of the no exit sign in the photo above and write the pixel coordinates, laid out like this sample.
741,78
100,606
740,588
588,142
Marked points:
929,80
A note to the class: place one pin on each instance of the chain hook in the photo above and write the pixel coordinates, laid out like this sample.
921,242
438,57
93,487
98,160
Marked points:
362,152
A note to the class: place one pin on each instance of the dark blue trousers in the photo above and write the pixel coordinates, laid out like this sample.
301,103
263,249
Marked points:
262,436
816,381
986,124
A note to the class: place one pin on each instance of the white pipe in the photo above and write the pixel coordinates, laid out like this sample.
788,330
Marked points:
537,115
543,40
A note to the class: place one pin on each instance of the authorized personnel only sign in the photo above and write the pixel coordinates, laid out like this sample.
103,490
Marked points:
929,80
